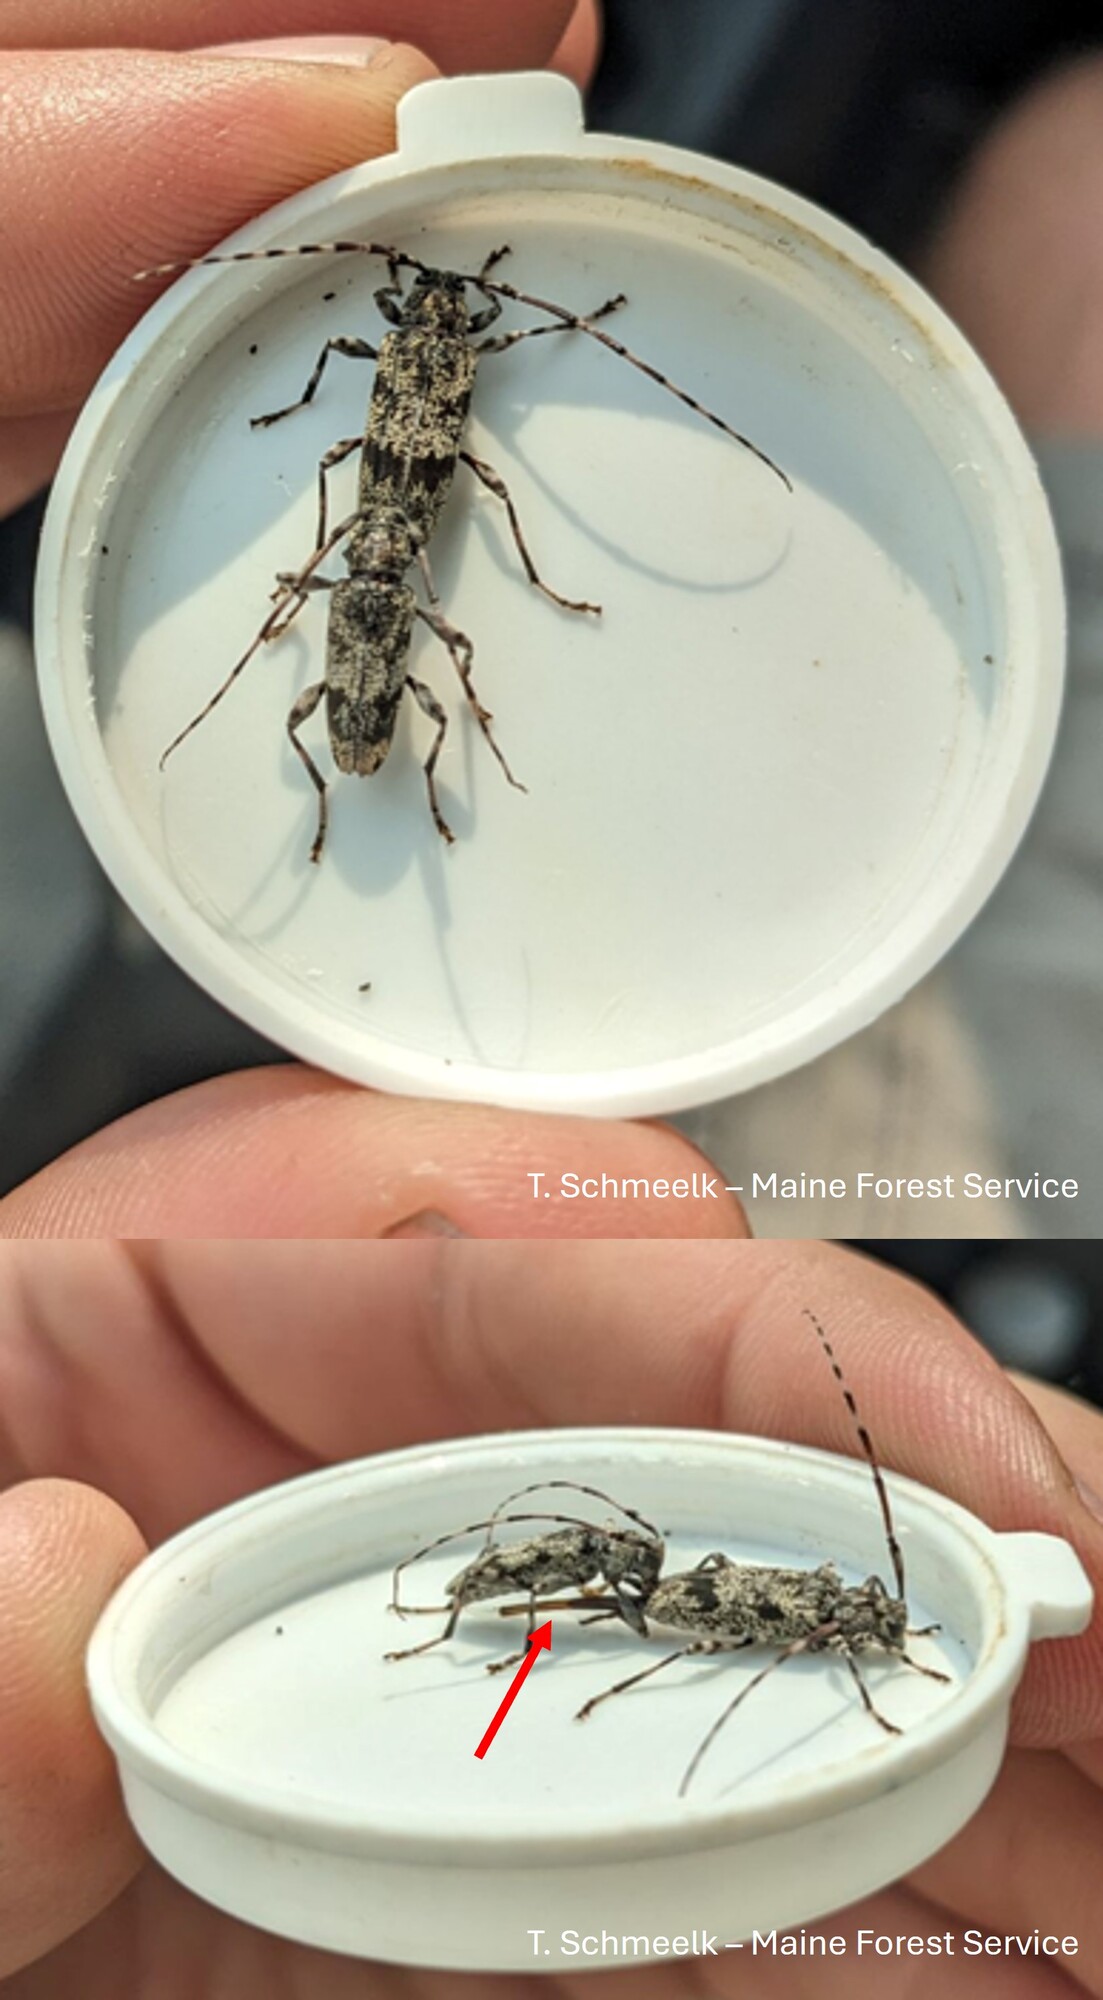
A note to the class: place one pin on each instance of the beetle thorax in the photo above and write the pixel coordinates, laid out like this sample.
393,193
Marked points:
631,1558
868,1616
438,300
383,544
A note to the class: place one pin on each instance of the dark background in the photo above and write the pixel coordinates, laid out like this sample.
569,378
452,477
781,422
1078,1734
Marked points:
867,106
1037,1307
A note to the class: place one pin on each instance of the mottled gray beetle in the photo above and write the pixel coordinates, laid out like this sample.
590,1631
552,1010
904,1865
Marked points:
727,1606
627,1561
410,448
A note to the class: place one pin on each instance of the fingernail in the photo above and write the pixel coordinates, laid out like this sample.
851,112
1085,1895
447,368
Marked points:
427,1222
1091,1499
306,48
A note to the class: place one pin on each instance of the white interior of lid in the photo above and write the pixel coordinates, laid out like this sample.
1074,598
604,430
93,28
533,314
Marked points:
306,1695
757,787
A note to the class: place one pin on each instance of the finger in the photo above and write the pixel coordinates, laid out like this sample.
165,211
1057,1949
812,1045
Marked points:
289,1152
469,35
65,1846
1030,1857
29,450
115,160
578,51
450,1338
1076,1430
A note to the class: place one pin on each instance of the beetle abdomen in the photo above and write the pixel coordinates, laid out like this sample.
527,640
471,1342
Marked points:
369,637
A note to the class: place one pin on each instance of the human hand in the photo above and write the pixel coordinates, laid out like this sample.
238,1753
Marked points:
128,142
177,1378
286,1151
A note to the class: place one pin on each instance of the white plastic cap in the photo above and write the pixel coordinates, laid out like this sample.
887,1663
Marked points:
766,790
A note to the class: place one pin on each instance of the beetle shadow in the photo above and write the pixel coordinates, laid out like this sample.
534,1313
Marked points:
490,521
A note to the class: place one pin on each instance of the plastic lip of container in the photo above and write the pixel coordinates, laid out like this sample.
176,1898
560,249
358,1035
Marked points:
767,789
279,1767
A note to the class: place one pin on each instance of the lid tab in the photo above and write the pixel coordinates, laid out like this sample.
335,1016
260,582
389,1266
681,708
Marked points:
1049,1576
483,117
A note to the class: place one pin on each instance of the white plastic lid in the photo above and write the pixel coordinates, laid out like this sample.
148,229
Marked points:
280,1767
766,790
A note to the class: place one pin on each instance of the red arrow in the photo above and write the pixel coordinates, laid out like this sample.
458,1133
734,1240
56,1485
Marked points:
537,1640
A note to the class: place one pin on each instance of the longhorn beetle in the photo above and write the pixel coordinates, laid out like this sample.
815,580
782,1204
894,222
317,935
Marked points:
729,1605
409,450
629,1561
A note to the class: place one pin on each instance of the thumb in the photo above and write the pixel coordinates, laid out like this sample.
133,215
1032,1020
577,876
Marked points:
66,1849
119,159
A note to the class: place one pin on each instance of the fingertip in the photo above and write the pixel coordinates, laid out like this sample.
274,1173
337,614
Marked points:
579,49
403,65
1062,1692
128,159
290,1152
66,1848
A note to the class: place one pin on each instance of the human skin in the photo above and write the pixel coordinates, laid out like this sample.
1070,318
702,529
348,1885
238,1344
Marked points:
127,143
286,1151
169,1380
